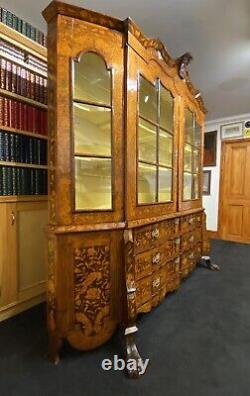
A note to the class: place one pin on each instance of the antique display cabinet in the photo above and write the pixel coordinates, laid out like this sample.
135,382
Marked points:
126,137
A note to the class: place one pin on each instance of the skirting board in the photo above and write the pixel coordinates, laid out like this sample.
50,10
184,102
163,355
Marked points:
20,306
213,234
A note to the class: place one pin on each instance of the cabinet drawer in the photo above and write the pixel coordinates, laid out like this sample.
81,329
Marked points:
143,291
190,239
188,261
151,287
173,275
154,235
150,261
191,221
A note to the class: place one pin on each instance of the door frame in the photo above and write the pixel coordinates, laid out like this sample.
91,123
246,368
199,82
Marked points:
222,171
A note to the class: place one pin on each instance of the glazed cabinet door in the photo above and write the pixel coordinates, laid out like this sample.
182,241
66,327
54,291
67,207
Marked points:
152,108
89,125
190,158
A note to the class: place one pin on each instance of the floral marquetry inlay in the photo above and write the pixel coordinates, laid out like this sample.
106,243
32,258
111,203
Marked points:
92,287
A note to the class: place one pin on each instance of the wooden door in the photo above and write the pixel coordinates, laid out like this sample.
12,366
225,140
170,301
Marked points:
235,191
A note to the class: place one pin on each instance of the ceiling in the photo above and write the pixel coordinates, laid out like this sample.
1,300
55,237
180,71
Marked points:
216,32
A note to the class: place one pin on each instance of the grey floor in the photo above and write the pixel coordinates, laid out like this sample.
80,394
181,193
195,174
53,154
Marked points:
197,340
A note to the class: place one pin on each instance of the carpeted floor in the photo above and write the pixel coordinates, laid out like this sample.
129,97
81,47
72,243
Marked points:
197,340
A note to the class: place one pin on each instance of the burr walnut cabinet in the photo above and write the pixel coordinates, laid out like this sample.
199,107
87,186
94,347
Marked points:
126,135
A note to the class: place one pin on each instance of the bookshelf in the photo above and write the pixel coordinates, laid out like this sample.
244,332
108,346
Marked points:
23,159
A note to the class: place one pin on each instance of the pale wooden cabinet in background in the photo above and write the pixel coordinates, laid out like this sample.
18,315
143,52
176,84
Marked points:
22,256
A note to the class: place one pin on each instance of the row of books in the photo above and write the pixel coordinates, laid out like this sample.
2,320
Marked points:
20,148
22,181
21,116
18,24
18,80
21,56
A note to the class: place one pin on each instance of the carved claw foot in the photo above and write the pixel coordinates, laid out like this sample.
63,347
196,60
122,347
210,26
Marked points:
55,345
206,262
132,356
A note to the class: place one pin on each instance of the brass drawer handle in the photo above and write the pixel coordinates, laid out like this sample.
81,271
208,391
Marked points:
191,220
177,241
156,259
156,282
176,222
191,256
177,261
191,239
155,233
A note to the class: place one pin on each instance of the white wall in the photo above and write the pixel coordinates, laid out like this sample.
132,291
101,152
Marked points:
211,202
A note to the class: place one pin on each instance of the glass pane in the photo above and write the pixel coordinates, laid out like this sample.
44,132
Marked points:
196,160
197,134
92,79
147,141
93,184
189,129
165,185
195,194
187,186
165,148
188,157
148,100
92,128
146,183
166,109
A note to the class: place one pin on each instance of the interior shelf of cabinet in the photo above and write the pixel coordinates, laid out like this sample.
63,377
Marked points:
23,165
23,42
26,133
29,101
22,198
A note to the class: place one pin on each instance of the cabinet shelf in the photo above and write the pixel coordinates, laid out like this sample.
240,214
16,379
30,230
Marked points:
22,42
29,101
21,132
23,165
22,198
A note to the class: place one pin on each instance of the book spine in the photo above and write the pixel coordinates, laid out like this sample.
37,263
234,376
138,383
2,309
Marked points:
14,181
9,181
4,16
14,22
3,74
6,146
12,147
19,181
19,25
9,19
8,84
1,180
4,180
2,147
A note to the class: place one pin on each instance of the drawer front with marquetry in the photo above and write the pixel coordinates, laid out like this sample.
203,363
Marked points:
173,275
143,291
150,261
146,262
190,222
188,261
190,239
154,235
